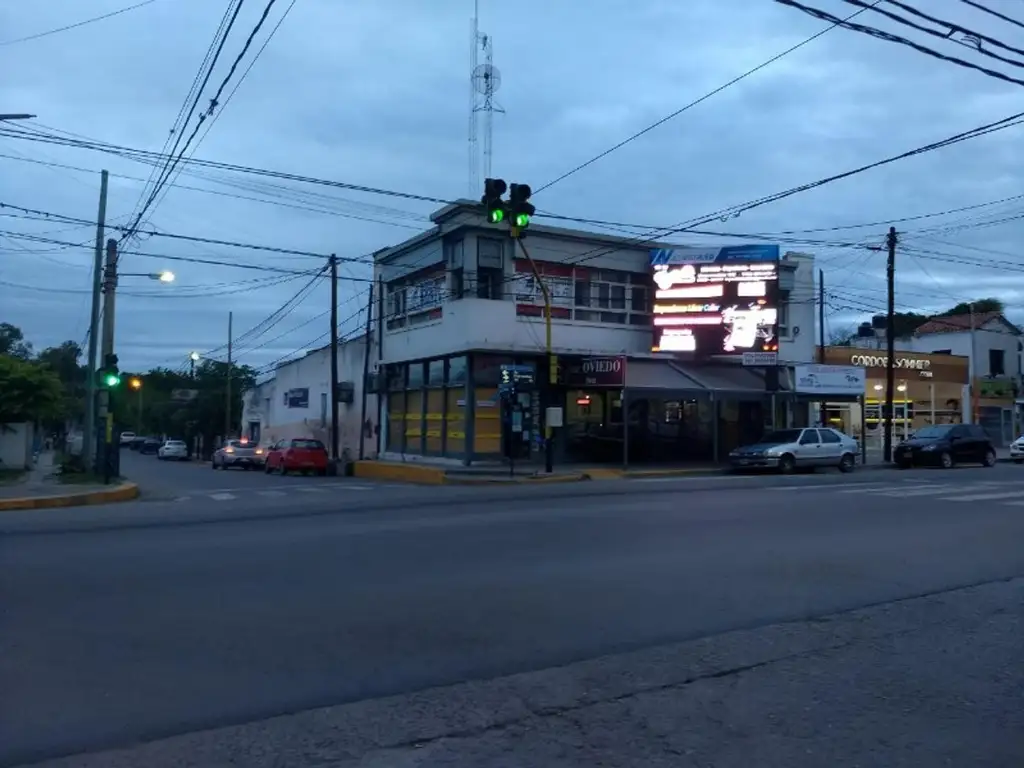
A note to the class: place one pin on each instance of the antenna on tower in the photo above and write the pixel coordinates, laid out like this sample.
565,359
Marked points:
484,80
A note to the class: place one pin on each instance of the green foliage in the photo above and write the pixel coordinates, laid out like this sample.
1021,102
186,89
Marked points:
31,392
12,342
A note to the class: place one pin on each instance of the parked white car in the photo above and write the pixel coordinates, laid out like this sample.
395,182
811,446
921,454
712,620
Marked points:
174,450
1017,450
127,437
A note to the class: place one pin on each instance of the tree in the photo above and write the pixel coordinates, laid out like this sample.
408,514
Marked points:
31,392
12,342
63,361
979,306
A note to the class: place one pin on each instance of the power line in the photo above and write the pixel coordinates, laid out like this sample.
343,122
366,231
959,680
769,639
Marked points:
697,101
275,317
76,24
172,161
998,15
891,38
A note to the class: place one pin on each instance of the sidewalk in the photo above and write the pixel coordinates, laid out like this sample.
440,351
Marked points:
42,488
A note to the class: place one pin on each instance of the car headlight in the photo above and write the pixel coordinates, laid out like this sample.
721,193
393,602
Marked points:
772,452
930,448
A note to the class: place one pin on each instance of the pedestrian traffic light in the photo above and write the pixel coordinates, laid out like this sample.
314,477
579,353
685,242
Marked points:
520,209
494,190
109,374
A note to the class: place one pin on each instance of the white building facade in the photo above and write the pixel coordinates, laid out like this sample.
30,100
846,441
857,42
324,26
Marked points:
295,403
463,315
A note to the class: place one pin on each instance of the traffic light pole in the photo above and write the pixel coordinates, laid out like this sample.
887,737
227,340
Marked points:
552,360
107,348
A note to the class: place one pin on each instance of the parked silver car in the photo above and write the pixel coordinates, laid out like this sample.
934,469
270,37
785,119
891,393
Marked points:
789,449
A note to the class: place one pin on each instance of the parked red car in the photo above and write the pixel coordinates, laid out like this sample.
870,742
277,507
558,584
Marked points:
296,455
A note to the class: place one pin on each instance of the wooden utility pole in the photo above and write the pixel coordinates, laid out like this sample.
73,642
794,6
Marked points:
227,383
890,341
334,360
821,326
366,373
89,428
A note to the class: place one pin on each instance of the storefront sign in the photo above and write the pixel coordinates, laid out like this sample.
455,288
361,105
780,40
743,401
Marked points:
829,379
760,358
597,372
881,361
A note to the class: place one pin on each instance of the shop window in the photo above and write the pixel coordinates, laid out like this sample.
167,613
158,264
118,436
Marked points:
415,380
433,422
458,283
414,422
435,373
624,298
395,439
455,424
396,377
490,284
640,296
456,371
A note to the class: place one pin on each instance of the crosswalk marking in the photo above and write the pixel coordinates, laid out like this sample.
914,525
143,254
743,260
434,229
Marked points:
307,489
986,496
223,496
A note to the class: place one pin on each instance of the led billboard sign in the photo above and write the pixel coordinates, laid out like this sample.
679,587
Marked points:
716,301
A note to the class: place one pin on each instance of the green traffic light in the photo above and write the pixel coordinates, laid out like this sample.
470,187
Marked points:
112,380
497,216
522,220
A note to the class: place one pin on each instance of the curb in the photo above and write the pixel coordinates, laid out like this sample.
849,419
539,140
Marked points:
123,492
577,477
400,473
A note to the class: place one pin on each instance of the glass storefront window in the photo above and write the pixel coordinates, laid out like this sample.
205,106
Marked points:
457,371
415,376
435,373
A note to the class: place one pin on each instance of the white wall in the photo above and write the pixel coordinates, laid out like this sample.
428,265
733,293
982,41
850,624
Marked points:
277,422
992,335
798,338
16,446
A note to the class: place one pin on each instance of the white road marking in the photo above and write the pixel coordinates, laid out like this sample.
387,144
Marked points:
307,489
986,496
853,488
1014,503
935,491
270,493
222,496
888,488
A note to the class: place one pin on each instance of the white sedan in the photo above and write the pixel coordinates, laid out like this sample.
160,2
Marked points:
1017,450
173,450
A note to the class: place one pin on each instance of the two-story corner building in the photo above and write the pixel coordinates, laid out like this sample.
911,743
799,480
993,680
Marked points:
652,333
992,345
990,349
296,402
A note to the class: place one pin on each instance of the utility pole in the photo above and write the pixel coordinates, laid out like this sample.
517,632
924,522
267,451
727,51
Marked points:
89,429
890,341
227,383
366,373
821,326
552,359
107,345
333,262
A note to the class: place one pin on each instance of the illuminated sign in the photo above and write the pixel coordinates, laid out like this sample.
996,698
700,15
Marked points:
716,301
881,361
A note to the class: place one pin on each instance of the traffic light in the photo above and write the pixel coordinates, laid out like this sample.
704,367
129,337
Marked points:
520,209
494,190
109,374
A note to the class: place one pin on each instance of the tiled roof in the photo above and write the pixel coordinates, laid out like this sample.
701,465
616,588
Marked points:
956,323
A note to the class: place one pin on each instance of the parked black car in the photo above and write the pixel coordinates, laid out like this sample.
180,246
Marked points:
150,445
137,443
944,445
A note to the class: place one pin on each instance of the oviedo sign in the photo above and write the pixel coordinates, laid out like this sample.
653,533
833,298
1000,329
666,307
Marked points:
881,361
597,372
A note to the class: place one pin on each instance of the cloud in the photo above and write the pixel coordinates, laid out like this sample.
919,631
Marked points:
377,94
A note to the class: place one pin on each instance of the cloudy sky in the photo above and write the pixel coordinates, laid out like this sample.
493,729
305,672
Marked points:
376,94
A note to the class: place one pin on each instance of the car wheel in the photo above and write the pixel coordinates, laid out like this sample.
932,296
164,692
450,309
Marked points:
945,460
847,463
990,458
787,464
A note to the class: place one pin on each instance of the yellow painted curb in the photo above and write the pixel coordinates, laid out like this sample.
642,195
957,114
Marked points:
670,472
603,473
123,492
398,472
526,480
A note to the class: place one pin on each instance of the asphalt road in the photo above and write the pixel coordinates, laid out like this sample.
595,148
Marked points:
131,633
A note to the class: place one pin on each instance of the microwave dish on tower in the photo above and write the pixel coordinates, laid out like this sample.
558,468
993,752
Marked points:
484,81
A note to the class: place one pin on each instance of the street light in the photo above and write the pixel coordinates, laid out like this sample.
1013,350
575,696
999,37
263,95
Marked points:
193,358
136,384
15,116
165,276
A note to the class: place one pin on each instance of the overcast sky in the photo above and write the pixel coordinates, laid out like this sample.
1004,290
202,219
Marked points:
376,94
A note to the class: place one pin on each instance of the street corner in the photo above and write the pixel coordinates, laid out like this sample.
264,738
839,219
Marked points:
399,472
122,492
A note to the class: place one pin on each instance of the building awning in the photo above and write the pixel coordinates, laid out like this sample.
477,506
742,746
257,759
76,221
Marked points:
653,377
